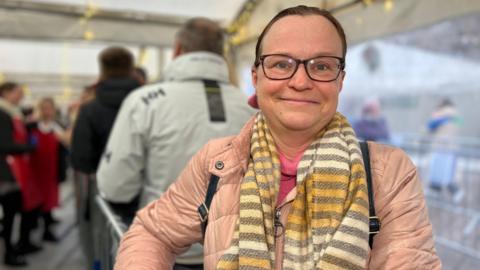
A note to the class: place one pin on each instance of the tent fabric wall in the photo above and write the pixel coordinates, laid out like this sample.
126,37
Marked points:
367,22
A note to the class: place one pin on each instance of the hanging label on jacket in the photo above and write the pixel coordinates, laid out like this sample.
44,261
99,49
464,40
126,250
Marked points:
214,100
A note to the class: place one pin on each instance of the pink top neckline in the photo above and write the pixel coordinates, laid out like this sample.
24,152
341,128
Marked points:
288,179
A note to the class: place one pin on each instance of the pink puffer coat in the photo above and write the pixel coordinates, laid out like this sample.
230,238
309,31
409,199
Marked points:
168,226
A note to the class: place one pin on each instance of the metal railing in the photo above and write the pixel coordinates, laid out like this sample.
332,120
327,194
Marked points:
420,147
112,229
100,228
466,150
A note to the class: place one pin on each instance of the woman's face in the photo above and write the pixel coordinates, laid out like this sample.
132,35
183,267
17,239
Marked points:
47,110
299,103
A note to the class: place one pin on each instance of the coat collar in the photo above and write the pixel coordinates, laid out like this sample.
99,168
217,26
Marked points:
235,153
195,65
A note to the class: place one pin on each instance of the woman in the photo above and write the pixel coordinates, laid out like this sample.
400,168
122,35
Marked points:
46,161
292,191
13,164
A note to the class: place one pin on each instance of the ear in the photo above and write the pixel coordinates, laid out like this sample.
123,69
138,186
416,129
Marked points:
254,76
340,79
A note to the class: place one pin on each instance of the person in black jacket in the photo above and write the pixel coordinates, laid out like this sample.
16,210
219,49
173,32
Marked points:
10,195
96,118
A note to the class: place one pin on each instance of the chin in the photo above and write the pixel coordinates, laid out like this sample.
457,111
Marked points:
298,123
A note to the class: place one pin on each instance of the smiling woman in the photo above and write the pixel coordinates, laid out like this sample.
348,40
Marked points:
292,189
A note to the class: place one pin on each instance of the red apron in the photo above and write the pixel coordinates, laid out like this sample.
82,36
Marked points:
44,162
21,169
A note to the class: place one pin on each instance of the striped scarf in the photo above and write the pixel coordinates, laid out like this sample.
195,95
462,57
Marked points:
327,227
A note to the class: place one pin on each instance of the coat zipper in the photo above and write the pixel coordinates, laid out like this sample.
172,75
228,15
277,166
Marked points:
278,226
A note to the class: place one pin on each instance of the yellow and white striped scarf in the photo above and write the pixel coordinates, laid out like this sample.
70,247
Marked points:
327,227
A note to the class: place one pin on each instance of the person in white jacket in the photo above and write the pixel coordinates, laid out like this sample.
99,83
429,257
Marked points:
160,126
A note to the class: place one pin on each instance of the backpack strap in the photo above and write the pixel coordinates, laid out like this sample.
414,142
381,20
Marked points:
203,209
374,222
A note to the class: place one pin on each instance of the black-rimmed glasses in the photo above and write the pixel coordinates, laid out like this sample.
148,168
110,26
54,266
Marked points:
320,69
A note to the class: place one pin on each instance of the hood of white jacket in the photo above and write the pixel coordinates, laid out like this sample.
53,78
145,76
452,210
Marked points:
195,65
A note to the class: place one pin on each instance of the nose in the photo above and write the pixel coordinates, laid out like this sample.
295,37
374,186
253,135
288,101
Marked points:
300,80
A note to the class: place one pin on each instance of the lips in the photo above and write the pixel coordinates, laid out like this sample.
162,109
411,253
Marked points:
299,100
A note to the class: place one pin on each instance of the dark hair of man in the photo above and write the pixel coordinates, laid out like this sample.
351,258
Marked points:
201,34
7,87
115,62
301,11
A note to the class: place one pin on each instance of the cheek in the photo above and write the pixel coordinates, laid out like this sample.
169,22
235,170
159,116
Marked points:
268,88
331,93
266,97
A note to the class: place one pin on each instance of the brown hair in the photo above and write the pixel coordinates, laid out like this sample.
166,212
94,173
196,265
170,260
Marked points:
201,34
301,11
47,100
115,62
7,87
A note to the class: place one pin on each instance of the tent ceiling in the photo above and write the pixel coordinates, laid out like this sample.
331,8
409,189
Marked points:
143,22
223,11
368,19
154,22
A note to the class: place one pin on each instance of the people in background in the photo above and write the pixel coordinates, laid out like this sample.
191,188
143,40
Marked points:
95,119
372,126
443,126
292,191
47,161
161,126
14,165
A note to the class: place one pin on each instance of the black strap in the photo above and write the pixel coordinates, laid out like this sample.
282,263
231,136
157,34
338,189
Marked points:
374,222
204,207
214,100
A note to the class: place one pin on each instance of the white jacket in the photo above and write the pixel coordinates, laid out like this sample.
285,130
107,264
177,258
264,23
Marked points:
161,126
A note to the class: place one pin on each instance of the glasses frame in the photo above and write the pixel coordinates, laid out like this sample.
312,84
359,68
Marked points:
341,66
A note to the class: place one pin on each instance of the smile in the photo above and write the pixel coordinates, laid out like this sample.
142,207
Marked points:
299,101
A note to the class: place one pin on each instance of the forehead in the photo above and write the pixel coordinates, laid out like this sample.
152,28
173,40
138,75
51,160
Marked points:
303,36
46,103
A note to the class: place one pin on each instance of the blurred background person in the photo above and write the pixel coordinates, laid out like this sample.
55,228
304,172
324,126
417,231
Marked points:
372,125
48,161
162,125
443,126
95,119
14,166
